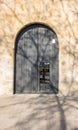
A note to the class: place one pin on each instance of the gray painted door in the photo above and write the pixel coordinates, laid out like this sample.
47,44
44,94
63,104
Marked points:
35,45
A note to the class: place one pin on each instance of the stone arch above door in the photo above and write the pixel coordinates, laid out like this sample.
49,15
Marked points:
36,60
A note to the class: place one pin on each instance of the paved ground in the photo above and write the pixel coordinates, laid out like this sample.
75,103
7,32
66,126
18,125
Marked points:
38,112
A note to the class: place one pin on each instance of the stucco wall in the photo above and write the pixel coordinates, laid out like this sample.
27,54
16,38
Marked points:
61,16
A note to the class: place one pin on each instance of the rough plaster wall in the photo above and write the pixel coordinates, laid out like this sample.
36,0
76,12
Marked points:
61,16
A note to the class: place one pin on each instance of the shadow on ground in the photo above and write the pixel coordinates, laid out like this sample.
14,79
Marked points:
38,112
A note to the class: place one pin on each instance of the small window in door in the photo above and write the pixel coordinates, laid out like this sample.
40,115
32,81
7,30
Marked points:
44,76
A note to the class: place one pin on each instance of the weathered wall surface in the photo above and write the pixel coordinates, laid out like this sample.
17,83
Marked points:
61,16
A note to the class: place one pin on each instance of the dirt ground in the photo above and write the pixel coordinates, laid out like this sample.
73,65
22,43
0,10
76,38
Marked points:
38,112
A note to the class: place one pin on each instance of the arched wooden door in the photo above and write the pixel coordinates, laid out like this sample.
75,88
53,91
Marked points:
36,60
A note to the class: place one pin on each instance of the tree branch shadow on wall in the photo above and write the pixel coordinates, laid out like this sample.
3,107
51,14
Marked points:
63,123
71,53
72,30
